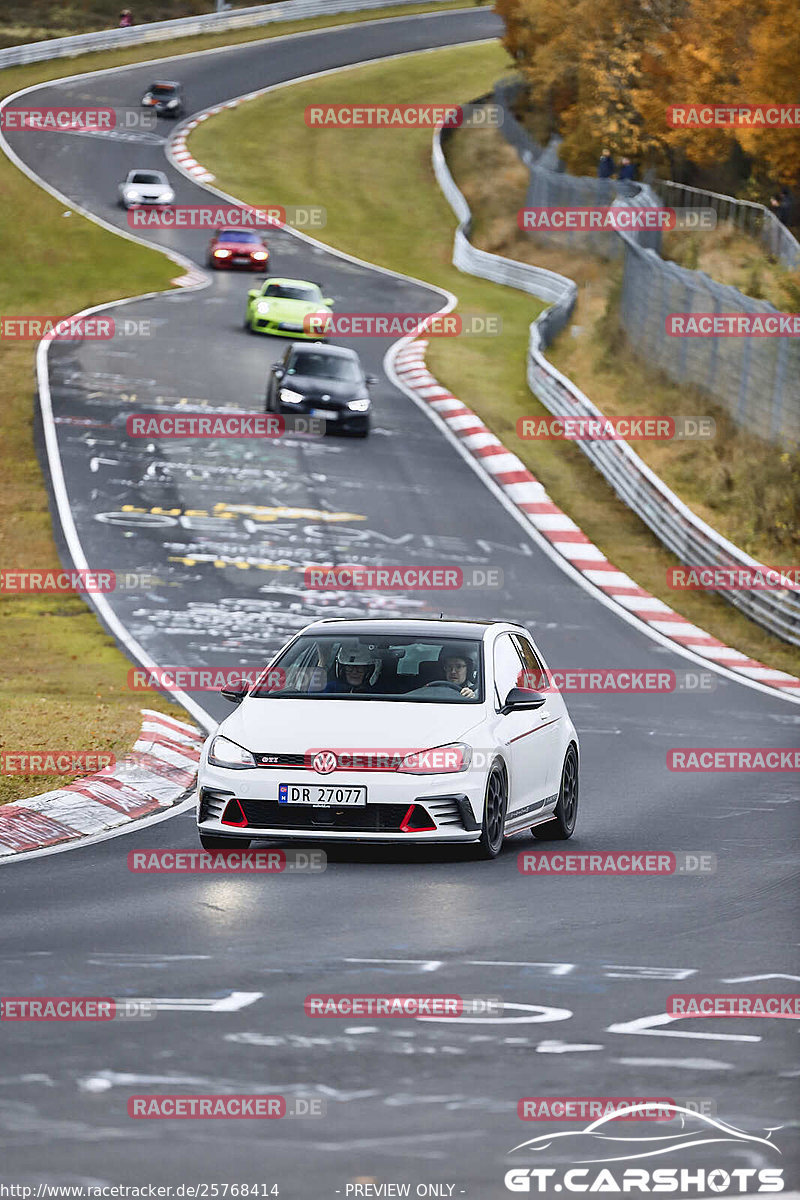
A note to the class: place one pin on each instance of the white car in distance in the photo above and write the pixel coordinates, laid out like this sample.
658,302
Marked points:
396,730
145,188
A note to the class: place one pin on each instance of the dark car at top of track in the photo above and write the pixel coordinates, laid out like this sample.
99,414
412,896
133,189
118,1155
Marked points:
165,97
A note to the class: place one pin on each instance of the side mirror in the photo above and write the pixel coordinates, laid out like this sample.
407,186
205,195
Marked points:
235,693
277,370
371,379
327,300
253,293
520,699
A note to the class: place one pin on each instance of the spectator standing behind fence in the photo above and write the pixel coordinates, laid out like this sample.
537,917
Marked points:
627,170
125,19
605,167
782,204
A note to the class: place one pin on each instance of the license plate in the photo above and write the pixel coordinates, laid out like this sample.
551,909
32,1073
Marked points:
241,258
329,413
321,795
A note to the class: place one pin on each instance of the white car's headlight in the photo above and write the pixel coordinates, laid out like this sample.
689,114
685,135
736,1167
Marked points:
262,307
225,753
290,397
131,194
167,197
442,760
360,405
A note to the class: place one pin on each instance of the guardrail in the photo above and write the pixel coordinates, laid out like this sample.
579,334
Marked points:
757,379
157,31
753,218
693,541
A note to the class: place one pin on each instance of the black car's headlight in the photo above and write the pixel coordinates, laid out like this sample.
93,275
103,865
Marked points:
360,405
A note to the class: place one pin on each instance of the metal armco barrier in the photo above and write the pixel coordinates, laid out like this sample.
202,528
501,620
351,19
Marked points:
757,379
138,35
693,541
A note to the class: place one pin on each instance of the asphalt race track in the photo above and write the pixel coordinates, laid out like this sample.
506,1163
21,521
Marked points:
587,958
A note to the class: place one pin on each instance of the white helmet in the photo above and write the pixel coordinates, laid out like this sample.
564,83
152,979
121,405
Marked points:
353,655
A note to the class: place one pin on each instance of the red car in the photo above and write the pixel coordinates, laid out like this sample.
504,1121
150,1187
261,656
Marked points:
238,248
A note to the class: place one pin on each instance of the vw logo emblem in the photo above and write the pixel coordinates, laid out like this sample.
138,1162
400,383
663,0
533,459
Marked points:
324,762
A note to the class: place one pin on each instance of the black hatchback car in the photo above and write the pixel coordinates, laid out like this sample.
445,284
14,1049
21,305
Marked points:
165,98
322,381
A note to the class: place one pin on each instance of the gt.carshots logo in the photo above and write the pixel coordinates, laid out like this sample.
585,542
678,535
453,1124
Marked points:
602,1149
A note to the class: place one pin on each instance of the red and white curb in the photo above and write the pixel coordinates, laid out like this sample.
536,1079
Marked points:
159,771
179,153
530,498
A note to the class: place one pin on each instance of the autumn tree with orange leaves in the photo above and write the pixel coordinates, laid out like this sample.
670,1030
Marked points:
604,73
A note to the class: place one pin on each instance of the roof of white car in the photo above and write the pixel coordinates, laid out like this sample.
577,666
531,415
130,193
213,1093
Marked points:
408,625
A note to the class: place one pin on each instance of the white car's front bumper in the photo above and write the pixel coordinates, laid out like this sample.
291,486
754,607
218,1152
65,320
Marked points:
453,802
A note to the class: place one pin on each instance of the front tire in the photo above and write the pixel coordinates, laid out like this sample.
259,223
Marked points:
218,842
494,815
562,825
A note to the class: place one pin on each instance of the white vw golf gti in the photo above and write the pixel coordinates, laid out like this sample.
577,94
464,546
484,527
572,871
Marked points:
394,731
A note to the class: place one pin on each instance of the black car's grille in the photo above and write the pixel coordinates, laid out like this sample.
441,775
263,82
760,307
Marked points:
372,818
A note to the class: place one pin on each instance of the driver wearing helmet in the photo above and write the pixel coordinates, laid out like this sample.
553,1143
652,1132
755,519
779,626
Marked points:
459,669
356,670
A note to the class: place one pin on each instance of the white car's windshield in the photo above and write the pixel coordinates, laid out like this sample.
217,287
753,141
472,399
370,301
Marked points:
149,177
416,669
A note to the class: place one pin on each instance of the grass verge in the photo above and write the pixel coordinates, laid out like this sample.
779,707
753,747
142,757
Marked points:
402,221
63,682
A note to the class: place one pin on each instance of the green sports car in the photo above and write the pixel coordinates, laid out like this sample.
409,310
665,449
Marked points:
291,308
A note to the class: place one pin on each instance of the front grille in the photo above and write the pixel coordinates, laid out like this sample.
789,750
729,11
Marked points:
296,761
373,818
